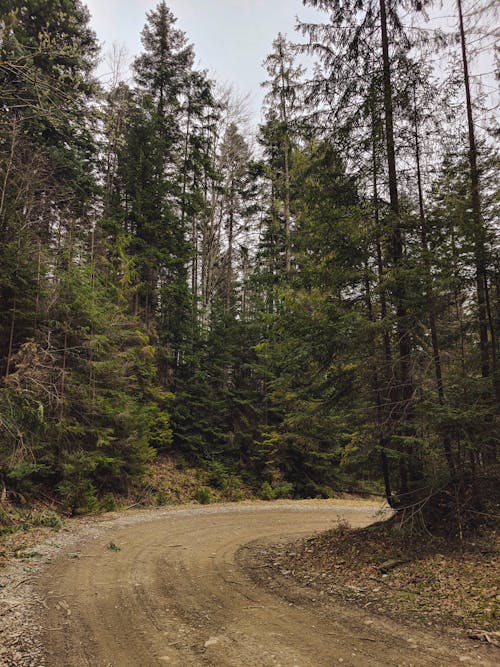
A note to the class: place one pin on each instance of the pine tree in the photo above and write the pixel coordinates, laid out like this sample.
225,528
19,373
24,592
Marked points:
283,102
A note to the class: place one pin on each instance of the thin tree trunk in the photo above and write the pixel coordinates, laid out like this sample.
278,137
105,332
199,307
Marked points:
377,390
494,343
15,130
229,277
11,337
65,340
38,280
286,151
63,377
431,302
286,204
381,400
13,316
479,235
184,187
287,211
91,352
404,380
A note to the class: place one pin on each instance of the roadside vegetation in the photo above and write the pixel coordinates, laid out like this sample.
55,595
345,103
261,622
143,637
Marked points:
192,309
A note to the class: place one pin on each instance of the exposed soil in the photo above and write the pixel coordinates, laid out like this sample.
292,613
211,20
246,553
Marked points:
178,587
425,580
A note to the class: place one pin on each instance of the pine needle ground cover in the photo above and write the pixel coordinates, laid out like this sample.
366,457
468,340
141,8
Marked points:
421,579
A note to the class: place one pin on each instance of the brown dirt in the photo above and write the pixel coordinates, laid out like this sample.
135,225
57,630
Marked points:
425,579
173,587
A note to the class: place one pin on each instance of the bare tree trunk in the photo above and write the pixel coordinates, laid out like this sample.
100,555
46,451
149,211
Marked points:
13,142
479,234
229,276
38,280
184,193
11,337
287,211
65,340
404,380
91,352
286,154
194,264
63,377
13,316
377,390
383,394
431,302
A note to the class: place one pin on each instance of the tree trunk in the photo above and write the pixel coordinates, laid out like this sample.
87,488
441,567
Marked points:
229,275
11,337
404,379
383,394
478,231
431,302
10,162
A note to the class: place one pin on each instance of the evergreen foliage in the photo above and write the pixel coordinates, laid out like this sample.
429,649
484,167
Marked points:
317,315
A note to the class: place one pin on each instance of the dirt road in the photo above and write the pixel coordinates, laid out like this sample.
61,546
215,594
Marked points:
167,589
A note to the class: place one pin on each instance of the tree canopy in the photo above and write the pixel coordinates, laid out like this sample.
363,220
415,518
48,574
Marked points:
310,312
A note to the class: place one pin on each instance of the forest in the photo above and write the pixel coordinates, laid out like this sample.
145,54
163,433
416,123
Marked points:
307,307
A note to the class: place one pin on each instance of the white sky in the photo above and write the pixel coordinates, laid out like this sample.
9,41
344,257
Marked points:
231,37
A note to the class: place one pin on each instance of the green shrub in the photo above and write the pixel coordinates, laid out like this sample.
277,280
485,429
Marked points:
27,554
47,518
232,489
79,495
108,503
324,492
162,498
181,463
266,492
203,495
283,490
22,478
218,475
312,490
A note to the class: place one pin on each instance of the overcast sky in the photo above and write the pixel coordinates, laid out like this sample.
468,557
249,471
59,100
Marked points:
231,37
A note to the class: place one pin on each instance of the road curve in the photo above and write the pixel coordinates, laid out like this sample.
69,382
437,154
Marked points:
165,589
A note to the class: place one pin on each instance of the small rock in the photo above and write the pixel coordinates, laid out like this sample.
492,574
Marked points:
212,641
